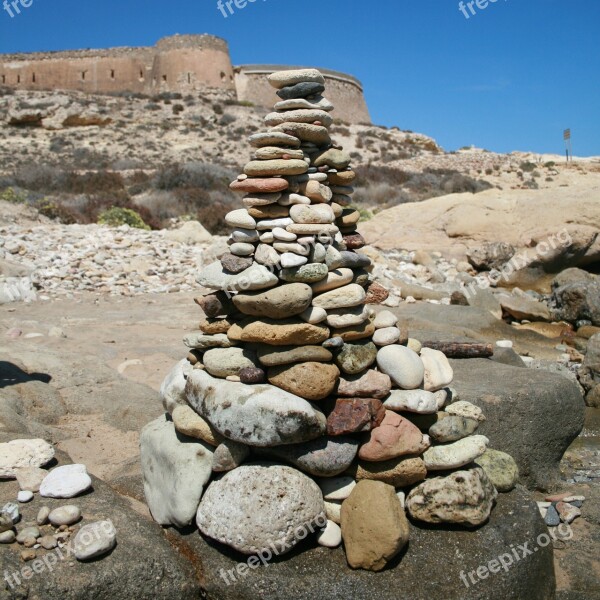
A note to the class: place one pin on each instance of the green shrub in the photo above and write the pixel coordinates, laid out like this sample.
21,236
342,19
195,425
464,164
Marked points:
115,217
12,196
527,167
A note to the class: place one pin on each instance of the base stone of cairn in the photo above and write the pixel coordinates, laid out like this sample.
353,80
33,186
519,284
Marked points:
301,418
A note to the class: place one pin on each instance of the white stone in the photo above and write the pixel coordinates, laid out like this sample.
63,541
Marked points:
457,454
173,386
331,536
197,340
241,249
402,497
240,218
416,401
267,237
255,277
462,408
343,297
504,344
347,317
175,469
333,510
65,515
386,336
293,199
336,488
67,481
24,496
441,396
385,318
314,315
289,259
404,366
244,236
285,236
94,540
438,372
271,224
17,454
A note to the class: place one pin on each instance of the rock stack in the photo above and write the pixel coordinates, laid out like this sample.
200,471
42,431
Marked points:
299,410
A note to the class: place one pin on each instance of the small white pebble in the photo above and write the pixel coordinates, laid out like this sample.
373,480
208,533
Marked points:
25,496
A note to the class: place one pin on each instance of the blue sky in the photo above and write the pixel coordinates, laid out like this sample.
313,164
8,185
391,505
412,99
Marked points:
511,77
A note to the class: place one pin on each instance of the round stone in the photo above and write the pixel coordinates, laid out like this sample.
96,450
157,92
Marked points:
65,515
240,218
413,401
386,336
336,488
24,496
223,362
281,79
267,255
66,482
48,542
404,366
438,372
285,236
94,540
347,317
8,537
385,319
312,214
501,469
241,249
252,375
314,315
357,357
30,478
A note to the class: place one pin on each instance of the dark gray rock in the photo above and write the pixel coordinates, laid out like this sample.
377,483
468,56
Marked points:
301,90
579,300
533,416
491,255
429,569
507,356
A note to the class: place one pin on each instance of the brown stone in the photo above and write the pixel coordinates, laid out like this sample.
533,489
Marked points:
309,380
277,303
288,332
272,211
355,332
215,304
271,356
376,294
374,525
399,472
371,384
252,375
396,436
354,241
353,415
350,217
341,177
259,185
235,264
212,326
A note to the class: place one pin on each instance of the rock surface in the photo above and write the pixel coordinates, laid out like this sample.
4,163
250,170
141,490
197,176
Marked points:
17,454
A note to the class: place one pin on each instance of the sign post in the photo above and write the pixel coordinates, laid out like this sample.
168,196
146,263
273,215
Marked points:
569,149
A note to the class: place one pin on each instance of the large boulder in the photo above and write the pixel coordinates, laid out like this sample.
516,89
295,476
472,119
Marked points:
532,415
434,566
578,300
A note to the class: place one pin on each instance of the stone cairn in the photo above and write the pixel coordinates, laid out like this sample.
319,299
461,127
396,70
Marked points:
299,411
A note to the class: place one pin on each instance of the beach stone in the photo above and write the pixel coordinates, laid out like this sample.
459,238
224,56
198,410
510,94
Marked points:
240,218
438,372
312,214
201,341
394,437
312,102
11,512
310,380
229,455
270,356
452,428
455,455
336,488
333,510
347,317
24,496
354,260
305,132
27,533
385,319
331,536
273,152
234,264
17,454
314,315
320,230
278,167
318,254
354,241
257,415
334,343
243,236
42,516
267,255
333,258
322,457
343,297
255,277
48,542
355,357
175,469
285,332
316,191
277,303
310,273
272,138
354,415
215,304
404,366
301,90
188,422
222,362
462,498
291,260
285,236
292,247
465,409
214,326
270,211
30,478
281,79
371,384
374,525
255,506
334,279
376,294
386,336
65,515
94,540
399,472
8,537
501,469
414,401
336,159
261,201
251,375
67,481
354,332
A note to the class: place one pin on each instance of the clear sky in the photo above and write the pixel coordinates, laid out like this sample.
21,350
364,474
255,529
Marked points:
510,77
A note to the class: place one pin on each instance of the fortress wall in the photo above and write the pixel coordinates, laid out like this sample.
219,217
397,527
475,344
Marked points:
343,90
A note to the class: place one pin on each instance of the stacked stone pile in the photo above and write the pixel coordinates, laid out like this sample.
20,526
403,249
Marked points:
299,410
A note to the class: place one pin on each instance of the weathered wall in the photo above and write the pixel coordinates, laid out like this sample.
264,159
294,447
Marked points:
344,91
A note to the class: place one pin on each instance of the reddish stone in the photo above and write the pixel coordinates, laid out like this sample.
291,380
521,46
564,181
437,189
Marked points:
352,415
558,497
258,185
251,375
354,241
215,304
371,384
376,294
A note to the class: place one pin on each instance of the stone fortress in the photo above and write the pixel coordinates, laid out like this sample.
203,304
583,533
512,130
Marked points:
180,63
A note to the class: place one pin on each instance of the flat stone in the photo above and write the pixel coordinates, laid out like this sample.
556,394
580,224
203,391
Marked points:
267,255
414,401
394,437
312,214
290,260
256,506
261,200
336,159
371,384
305,132
282,235
268,185
374,526
336,488
343,297
355,415
316,191
310,273
455,455
313,102
323,231
17,454
241,249
8,537
271,211
256,415
273,152
270,356
463,498
94,540
65,515
276,167
334,279
31,532
175,469
67,481
273,138
501,469
302,115
48,542
386,336
452,428
438,372
279,333
30,478
243,236
334,343
354,358
301,90
188,422
277,303
222,362
281,79
234,264
355,332
322,457
404,366
311,380
462,408
255,277
201,341
347,317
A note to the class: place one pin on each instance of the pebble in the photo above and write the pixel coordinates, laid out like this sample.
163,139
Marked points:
354,358
271,356
241,250
404,366
347,317
567,512
240,218
28,533
48,542
290,260
65,515
334,279
371,384
452,428
279,233
273,138
314,315
309,273
25,496
331,536
42,516
281,79
355,415
94,540
28,555
500,467
385,319
252,375
343,297
336,488
438,372
457,454
66,482
12,511
310,380
301,90
8,537
552,518
386,336
462,408
334,343
229,455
